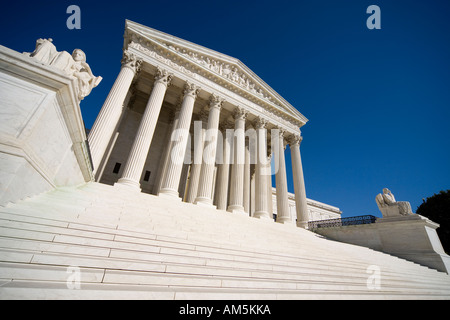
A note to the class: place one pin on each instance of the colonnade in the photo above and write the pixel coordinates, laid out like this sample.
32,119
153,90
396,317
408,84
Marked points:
232,190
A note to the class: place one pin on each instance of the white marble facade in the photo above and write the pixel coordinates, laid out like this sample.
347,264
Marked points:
191,124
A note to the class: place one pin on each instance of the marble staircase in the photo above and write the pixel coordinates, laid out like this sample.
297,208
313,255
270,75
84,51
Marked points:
127,245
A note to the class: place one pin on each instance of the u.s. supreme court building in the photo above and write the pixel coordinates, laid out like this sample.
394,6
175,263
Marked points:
189,123
170,196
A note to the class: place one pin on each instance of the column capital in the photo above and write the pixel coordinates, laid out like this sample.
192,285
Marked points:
240,113
129,60
216,101
294,140
281,132
282,136
260,123
163,76
191,89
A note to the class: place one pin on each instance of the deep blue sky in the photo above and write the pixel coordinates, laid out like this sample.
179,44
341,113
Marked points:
378,101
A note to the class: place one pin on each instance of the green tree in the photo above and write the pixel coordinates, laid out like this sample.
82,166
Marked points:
437,209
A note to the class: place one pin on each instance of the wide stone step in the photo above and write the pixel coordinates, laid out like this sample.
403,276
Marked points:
58,290
91,275
112,235
179,264
144,246
27,272
88,242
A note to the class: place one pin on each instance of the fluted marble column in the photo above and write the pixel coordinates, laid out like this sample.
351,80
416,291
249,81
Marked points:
237,169
209,153
136,160
196,166
283,215
269,183
166,156
261,172
224,169
247,181
109,115
299,182
172,176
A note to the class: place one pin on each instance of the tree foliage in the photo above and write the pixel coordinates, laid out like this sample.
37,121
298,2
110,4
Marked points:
437,209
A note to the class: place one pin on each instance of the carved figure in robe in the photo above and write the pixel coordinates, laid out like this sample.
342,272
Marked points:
44,52
390,207
81,70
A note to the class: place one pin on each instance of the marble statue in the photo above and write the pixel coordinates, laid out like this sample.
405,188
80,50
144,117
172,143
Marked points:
389,207
73,65
81,70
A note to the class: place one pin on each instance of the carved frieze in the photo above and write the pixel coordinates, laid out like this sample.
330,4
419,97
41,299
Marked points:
157,56
223,69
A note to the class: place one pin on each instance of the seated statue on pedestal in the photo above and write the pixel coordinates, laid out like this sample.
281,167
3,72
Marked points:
391,208
72,64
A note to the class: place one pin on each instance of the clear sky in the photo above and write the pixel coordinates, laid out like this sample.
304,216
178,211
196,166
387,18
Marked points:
378,101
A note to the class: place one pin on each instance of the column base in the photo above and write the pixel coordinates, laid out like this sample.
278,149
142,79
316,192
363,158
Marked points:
263,215
169,194
204,202
128,184
285,221
302,224
237,209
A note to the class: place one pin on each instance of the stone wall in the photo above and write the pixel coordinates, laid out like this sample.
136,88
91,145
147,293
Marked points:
411,237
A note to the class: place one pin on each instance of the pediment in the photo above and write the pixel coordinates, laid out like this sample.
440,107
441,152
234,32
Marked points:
223,69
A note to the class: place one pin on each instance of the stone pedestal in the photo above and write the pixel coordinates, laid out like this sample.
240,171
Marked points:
395,210
413,237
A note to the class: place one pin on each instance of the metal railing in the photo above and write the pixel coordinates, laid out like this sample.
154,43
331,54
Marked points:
341,222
